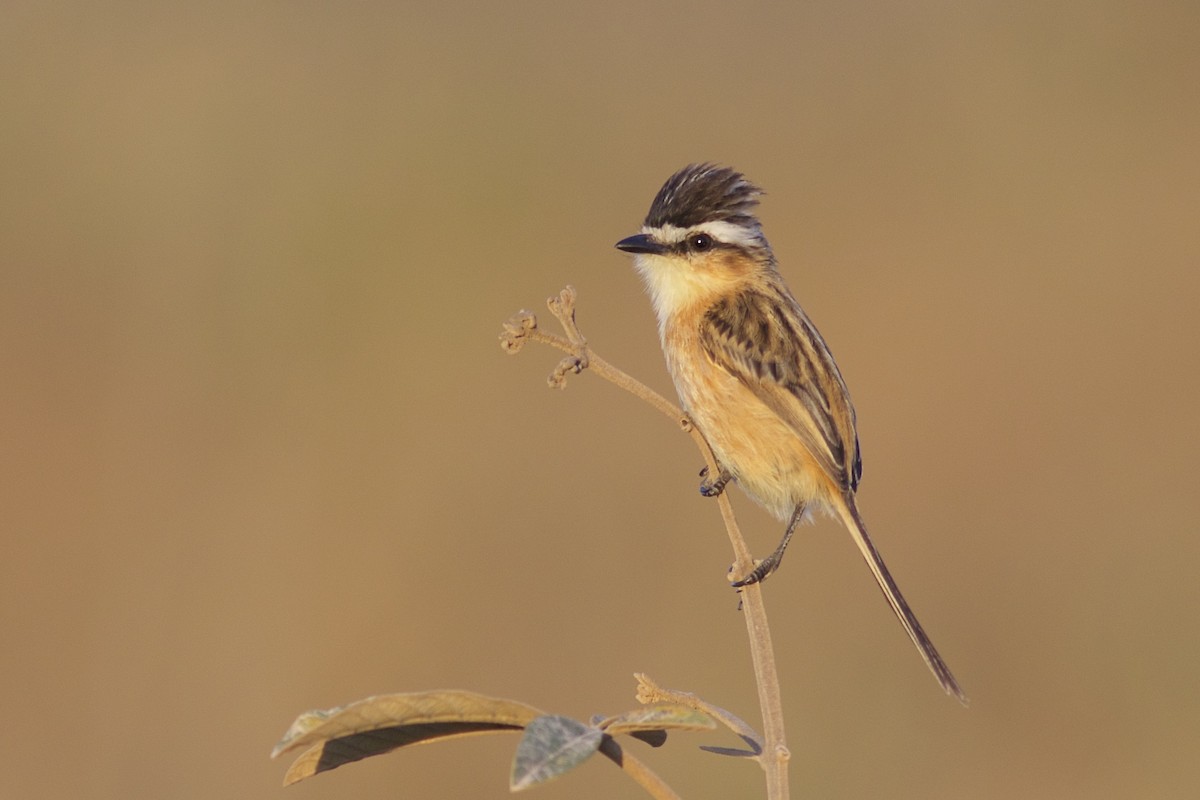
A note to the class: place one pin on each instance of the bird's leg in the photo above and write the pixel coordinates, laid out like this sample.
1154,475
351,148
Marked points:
771,562
714,487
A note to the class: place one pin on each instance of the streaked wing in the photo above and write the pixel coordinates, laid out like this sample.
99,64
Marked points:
764,339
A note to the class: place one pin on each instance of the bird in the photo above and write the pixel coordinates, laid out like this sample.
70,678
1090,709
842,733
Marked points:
753,373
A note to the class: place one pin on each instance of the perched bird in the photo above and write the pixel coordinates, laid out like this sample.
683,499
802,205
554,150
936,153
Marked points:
751,369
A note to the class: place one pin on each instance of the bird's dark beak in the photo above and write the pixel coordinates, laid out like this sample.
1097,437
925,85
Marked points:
641,243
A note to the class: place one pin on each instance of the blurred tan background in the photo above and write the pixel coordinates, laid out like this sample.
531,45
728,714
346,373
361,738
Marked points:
262,453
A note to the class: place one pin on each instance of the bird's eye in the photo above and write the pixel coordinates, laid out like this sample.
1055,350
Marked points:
700,242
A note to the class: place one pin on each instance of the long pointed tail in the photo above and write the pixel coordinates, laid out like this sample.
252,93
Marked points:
854,523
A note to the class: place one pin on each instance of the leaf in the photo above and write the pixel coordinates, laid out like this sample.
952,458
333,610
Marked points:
652,738
660,717
551,746
384,723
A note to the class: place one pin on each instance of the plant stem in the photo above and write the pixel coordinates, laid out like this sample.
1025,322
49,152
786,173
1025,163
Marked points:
631,766
775,755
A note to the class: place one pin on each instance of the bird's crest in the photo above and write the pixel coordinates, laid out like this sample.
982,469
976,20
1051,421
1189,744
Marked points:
704,193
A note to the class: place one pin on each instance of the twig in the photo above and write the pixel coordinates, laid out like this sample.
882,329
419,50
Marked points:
634,768
523,327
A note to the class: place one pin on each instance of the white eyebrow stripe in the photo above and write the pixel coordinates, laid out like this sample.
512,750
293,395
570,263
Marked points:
730,233
667,234
721,230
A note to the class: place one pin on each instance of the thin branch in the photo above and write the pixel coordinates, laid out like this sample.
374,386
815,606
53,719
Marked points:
634,768
523,327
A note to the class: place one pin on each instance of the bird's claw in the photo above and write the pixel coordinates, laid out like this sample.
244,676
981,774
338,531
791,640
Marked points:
713,488
760,573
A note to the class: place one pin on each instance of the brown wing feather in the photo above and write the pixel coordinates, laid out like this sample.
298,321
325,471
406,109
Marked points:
764,339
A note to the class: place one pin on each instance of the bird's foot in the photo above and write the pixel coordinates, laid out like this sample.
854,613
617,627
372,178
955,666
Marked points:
762,570
713,488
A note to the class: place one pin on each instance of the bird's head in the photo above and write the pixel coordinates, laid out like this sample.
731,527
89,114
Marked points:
700,238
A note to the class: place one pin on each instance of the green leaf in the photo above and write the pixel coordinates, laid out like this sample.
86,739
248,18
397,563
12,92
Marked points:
551,746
